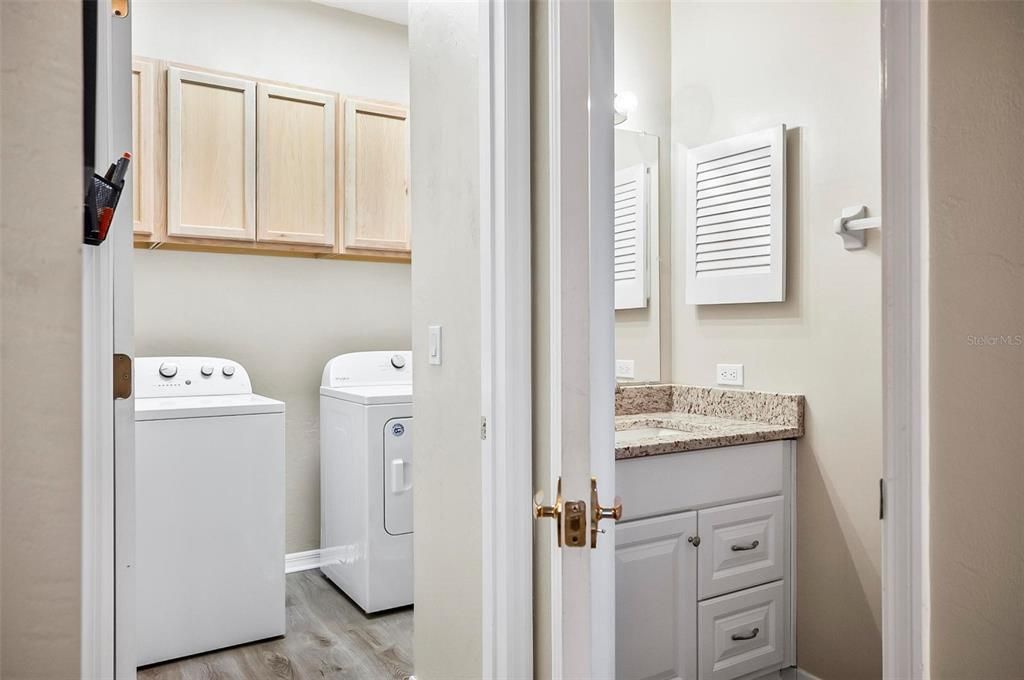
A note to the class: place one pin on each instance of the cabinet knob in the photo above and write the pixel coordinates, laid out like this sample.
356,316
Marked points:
694,541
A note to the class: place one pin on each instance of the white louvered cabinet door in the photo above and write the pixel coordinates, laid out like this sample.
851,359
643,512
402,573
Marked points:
736,220
631,207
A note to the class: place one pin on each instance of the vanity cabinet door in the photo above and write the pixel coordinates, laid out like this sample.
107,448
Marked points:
211,156
742,545
656,598
295,168
376,214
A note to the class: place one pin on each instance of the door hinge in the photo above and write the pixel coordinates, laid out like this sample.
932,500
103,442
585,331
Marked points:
881,498
122,376
483,427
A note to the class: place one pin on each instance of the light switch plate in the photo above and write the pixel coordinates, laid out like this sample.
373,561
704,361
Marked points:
625,368
729,374
434,345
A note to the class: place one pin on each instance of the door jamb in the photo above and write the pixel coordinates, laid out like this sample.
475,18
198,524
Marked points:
905,549
506,338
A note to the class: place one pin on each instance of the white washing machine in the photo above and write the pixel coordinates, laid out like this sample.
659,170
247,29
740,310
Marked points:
209,508
366,477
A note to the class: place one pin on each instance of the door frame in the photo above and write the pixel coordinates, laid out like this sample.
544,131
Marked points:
506,469
507,596
905,543
505,340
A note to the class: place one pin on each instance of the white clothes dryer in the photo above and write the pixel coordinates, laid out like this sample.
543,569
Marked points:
366,473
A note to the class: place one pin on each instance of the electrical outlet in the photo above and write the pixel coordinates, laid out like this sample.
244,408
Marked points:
729,374
625,368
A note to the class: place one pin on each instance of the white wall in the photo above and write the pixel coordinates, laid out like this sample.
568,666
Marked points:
40,340
281,317
445,193
642,66
740,67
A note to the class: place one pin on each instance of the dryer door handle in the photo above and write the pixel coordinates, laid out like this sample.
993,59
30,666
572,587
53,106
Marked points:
398,481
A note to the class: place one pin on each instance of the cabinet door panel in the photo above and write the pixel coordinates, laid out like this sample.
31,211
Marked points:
211,155
146,169
742,545
655,599
296,168
742,633
376,177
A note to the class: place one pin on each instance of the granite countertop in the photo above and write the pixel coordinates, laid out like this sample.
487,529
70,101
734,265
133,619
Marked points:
701,418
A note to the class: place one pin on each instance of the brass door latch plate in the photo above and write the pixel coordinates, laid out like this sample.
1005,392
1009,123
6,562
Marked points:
122,376
570,518
575,524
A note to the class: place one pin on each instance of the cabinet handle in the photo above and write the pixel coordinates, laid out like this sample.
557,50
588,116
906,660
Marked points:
740,548
749,636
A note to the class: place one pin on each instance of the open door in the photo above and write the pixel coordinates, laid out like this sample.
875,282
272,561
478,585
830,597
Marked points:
574,384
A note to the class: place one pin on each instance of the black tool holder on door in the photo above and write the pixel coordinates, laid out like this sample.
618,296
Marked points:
101,201
101,193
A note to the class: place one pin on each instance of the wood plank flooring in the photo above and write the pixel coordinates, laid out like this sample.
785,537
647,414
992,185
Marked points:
328,637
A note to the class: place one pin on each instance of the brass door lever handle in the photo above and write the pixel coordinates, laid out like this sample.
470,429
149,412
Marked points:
552,511
600,512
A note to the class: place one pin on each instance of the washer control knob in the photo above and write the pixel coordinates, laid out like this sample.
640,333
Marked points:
228,371
398,361
168,369
206,370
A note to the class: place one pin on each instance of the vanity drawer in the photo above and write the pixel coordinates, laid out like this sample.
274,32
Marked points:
742,545
741,633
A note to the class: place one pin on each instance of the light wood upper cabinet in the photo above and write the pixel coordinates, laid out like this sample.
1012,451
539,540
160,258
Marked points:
376,213
211,155
147,155
295,165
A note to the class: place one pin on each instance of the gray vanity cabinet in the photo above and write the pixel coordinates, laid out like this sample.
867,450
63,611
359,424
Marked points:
704,564
655,597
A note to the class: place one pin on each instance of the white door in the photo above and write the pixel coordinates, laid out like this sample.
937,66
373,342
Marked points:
573,185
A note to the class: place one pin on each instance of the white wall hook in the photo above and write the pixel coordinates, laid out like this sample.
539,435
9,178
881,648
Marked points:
853,223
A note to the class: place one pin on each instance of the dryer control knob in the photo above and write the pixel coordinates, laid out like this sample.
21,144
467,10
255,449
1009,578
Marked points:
228,371
398,361
168,370
206,370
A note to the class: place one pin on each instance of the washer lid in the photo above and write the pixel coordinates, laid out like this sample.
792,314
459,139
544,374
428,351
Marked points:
371,394
168,408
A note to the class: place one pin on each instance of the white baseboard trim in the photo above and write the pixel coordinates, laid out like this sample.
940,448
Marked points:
302,561
794,673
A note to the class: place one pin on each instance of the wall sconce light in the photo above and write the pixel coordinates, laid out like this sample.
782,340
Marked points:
625,104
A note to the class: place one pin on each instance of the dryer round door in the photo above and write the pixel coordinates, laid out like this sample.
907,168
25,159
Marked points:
398,476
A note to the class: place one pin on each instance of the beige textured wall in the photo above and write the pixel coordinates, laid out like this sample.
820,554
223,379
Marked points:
976,166
40,339
814,67
445,193
282,318
642,66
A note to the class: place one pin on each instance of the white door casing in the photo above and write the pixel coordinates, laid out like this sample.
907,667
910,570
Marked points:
506,332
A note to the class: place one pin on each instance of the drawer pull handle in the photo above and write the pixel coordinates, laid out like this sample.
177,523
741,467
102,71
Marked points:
740,548
749,636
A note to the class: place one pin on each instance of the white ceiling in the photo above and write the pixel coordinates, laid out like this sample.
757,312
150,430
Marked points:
395,11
